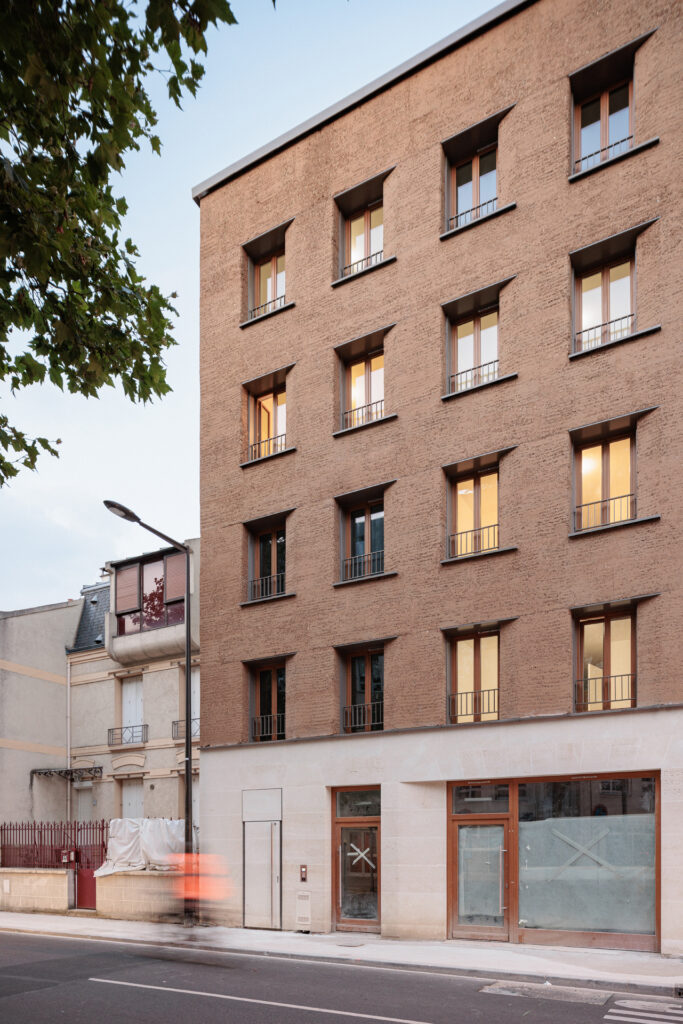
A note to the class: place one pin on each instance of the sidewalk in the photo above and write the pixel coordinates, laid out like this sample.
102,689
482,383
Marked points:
620,970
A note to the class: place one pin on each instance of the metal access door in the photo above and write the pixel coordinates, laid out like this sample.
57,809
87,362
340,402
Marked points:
262,873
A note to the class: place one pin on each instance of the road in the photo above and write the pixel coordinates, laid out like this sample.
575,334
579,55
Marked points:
45,979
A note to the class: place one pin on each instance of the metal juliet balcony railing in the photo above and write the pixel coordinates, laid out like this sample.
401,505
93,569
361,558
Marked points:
604,693
584,163
268,727
267,307
602,513
265,586
602,334
473,377
269,446
178,729
472,705
363,414
367,261
471,542
474,213
364,717
127,734
369,564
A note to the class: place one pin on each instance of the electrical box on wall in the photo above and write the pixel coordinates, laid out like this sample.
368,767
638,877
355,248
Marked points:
303,911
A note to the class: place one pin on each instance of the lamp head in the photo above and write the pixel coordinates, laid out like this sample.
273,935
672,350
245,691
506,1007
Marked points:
122,511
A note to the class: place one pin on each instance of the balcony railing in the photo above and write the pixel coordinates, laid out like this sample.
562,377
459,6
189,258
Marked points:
265,586
601,513
178,729
367,261
364,717
471,542
604,693
606,153
472,378
127,734
269,446
358,566
266,307
474,213
472,705
267,727
363,414
602,334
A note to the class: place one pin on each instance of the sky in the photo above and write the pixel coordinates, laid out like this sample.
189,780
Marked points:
263,76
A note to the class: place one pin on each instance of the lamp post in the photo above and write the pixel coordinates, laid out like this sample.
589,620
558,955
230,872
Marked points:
131,517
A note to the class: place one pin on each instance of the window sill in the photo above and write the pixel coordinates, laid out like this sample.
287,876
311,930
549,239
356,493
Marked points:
617,341
479,220
265,458
362,426
478,554
265,600
127,746
264,316
478,387
614,526
361,273
615,159
365,579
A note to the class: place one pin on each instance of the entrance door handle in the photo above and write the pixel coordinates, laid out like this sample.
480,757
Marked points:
340,877
501,877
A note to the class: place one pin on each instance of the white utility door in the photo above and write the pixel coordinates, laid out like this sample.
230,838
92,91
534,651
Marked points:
262,857
131,702
194,689
132,804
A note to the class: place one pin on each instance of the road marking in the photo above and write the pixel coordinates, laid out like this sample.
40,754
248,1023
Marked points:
259,1002
645,1014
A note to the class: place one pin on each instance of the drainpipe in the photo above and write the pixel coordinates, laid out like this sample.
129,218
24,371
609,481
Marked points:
68,736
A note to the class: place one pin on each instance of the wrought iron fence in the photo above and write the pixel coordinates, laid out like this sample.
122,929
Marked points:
266,307
127,734
369,564
268,727
39,844
473,377
363,414
364,717
471,542
472,704
604,693
602,334
265,586
269,446
367,261
584,163
608,510
474,213
178,729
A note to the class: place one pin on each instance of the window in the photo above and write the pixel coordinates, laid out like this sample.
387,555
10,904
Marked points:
604,303
606,679
364,541
132,728
269,565
364,707
473,693
364,239
364,391
603,126
475,514
267,424
474,351
269,704
473,189
605,483
150,594
132,798
269,285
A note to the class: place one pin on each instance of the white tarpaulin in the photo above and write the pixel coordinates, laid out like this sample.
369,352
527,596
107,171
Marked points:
137,844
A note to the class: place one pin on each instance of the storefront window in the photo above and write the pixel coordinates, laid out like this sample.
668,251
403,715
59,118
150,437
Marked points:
484,798
359,803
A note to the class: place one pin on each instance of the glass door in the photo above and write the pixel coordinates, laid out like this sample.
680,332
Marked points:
357,877
481,879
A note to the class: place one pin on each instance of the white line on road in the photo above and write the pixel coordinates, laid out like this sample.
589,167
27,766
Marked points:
260,1002
644,1017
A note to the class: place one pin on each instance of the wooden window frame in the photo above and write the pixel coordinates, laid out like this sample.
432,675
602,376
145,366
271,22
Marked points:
475,160
257,265
366,211
137,610
367,378
604,443
603,97
255,439
475,475
475,319
367,508
475,635
273,669
607,617
604,270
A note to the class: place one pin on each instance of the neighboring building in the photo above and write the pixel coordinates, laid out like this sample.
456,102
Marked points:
439,590
33,700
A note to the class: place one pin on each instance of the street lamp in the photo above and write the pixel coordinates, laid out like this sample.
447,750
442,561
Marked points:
131,517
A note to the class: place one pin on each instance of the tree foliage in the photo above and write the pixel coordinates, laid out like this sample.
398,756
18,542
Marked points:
73,102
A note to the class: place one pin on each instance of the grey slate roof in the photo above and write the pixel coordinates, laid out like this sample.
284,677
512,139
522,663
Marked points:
90,635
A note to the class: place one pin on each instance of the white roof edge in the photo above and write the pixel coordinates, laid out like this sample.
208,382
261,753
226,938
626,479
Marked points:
484,21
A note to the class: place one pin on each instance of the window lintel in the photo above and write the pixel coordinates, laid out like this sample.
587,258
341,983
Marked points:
270,522
363,495
268,381
253,664
605,429
608,70
267,243
363,345
606,250
626,604
470,628
478,136
364,646
477,463
473,302
362,195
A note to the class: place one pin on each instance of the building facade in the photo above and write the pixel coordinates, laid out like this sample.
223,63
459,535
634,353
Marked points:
440,505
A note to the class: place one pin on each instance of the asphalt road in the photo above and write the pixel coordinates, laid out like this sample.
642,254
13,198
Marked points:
44,979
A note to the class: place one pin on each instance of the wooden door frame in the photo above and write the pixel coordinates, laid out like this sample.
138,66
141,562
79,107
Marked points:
338,923
456,931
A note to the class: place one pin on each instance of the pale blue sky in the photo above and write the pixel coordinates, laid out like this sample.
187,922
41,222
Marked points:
55,532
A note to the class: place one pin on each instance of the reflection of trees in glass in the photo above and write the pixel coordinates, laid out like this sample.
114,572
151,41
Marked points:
153,609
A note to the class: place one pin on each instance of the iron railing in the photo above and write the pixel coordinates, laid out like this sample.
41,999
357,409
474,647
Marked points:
39,844
606,153
127,734
472,378
602,334
364,717
474,213
178,729
608,510
367,261
269,446
604,693
268,727
369,564
265,586
471,542
472,704
266,307
363,414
